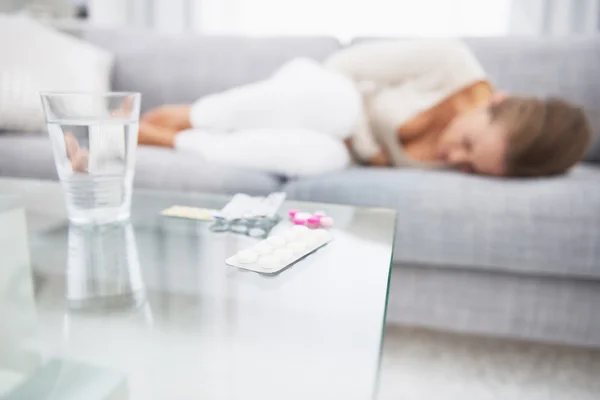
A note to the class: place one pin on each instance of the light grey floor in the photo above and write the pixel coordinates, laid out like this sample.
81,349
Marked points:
426,365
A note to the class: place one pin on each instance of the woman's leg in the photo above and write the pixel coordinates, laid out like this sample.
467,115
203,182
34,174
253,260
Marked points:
287,152
300,95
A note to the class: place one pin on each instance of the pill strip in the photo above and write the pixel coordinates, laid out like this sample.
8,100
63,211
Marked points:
202,214
242,206
276,253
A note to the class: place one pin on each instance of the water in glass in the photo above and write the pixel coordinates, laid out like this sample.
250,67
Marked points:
95,163
94,137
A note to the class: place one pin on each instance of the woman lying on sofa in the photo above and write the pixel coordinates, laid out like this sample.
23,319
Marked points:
425,103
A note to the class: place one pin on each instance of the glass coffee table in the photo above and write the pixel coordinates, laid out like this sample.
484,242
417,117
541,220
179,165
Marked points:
199,329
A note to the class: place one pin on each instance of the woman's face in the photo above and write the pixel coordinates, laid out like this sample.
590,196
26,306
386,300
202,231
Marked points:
473,143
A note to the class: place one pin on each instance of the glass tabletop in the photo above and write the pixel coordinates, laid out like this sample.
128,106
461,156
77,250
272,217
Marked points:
198,328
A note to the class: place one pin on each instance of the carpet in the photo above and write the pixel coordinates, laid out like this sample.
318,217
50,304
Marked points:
425,365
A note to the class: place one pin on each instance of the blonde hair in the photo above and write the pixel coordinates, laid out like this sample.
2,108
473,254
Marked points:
546,137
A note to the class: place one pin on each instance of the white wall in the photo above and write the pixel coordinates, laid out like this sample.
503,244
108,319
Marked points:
379,17
172,16
52,8
342,18
111,13
347,18
168,16
554,17
525,17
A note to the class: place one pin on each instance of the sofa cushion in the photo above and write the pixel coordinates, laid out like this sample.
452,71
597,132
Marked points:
176,69
42,59
446,219
30,156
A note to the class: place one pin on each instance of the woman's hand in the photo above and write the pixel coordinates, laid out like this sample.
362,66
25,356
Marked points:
380,159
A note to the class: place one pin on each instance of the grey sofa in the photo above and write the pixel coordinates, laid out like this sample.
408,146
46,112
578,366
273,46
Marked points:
513,258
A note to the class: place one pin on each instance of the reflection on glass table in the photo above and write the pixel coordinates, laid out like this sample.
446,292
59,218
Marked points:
17,305
202,329
26,373
103,268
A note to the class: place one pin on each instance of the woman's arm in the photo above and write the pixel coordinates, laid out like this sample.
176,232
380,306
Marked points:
391,62
364,146
374,65
424,65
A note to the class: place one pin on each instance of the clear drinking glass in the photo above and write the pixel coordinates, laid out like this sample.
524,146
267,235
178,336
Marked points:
94,137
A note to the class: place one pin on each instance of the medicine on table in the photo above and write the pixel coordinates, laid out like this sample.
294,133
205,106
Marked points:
202,214
279,252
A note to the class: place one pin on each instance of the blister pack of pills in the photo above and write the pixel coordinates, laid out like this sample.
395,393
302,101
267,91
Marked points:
278,252
201,214
252,216
242,206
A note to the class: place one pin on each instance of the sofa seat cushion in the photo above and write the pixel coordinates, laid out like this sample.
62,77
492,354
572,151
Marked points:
447,219
30,156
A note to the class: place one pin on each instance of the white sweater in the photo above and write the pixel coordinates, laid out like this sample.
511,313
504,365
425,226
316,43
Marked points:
399,80
294,123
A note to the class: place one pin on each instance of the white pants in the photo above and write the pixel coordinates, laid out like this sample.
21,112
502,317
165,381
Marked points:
291,124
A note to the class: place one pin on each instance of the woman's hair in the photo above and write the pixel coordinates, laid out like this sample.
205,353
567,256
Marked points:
546,137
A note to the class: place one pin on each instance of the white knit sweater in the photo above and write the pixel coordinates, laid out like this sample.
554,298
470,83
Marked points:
399,80
295,122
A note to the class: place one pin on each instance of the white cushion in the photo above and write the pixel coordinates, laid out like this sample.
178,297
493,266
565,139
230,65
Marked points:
36,58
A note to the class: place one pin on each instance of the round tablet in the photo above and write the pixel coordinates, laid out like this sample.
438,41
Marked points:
298,221
313,239
247,256
297,247
268,262
284,254
300,230
289,235
293,212
262,249
276,241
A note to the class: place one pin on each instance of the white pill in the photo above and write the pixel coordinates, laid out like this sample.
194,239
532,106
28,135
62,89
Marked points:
269,262
276,241
300,231
247,256
322,234
263,249
297,247
289,235
313,239
284,254
319,214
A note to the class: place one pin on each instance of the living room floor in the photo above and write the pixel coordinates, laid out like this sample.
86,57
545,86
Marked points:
424,365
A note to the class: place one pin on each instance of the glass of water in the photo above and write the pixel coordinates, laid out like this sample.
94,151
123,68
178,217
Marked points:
94,137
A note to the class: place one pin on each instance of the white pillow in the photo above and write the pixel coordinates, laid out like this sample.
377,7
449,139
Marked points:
36,58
